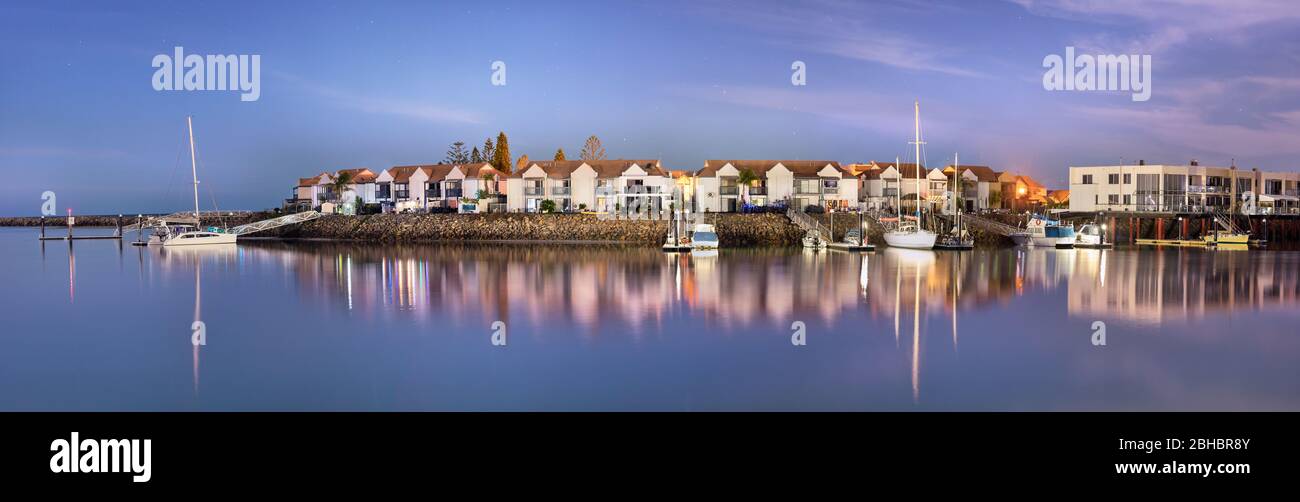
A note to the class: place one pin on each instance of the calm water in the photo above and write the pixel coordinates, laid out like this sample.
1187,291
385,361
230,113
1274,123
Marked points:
329,326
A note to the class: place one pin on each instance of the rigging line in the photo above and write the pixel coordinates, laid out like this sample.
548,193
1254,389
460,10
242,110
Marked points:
171,177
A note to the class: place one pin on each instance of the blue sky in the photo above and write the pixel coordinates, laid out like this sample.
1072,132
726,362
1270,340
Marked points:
377,84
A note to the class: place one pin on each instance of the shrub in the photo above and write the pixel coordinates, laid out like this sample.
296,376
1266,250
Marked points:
548,206
814,209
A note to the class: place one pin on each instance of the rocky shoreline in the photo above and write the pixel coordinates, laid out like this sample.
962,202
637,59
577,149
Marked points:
735,230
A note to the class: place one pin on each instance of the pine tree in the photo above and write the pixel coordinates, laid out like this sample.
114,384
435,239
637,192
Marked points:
475,157
559,154
489,152
457,154
501,155
593,149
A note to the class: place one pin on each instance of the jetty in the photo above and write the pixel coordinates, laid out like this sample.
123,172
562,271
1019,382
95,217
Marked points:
809,224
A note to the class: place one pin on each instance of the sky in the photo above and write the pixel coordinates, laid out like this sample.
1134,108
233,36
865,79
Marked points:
378,84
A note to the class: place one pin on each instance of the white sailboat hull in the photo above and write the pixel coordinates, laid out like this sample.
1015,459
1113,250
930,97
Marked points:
199,239
911,240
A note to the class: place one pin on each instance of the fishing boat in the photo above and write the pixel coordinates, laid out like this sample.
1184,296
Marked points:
958,239
704,237
185,234
813,240
910,235
1226,232
1091,236
1045,232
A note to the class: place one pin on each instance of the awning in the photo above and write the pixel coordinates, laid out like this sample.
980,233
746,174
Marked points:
1275,198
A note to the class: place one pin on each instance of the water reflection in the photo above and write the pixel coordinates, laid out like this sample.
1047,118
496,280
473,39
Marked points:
591,285
322,325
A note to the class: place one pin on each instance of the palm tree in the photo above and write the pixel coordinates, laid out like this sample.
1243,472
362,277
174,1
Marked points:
745,179
488,178
340,185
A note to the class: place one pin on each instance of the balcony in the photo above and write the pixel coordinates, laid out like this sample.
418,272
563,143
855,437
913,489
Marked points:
560,190
729,190
453,193
891,192
532,190
806,190
605,190
403,194
758,190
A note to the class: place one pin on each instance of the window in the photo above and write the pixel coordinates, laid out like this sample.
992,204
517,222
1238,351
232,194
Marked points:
1112,179
1087,179
1112,199
1128,199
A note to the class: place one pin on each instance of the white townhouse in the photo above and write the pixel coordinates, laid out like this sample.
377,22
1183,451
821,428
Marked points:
1183,188
884,183
478,186
316,189
362,185
798,183
402,187
599,185
978,184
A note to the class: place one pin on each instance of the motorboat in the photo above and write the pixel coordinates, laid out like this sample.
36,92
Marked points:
703,236
813,240
1091,236
1044,232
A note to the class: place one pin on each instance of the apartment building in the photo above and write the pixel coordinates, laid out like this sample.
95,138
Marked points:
797,183
598,185
1183,188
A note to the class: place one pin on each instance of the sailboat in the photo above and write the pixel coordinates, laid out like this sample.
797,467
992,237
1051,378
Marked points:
958,239
910,234
185,234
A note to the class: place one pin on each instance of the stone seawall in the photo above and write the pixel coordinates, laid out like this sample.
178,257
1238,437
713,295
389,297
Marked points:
733,229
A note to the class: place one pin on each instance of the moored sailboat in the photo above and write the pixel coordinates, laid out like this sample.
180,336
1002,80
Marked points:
910,234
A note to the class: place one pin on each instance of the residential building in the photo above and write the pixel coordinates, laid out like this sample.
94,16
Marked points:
601,185
314,191
1183,188
798,183
401,188
478,186
884,183
362,185
978,186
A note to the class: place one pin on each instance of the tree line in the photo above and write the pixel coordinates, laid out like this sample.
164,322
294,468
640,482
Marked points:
498,154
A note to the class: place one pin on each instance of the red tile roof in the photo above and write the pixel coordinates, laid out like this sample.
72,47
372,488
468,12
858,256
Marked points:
612,168
803,168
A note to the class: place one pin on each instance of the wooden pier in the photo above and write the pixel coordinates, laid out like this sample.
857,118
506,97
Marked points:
71,221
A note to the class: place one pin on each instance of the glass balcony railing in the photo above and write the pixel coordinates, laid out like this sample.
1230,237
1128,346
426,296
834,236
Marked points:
560,191
729,190
532,190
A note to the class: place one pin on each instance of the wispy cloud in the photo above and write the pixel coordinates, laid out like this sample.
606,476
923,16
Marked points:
1169,22
423,109
844,29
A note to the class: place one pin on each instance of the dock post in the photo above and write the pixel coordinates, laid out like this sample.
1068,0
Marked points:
1112,228
42,227
119,226
69,226
1160,229
139,228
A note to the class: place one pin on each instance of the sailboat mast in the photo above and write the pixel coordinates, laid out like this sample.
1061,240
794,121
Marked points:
194,170
956,189
898,190
917,105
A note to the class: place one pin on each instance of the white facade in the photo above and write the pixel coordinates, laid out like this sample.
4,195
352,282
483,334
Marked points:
807,183
603,186
1183,188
